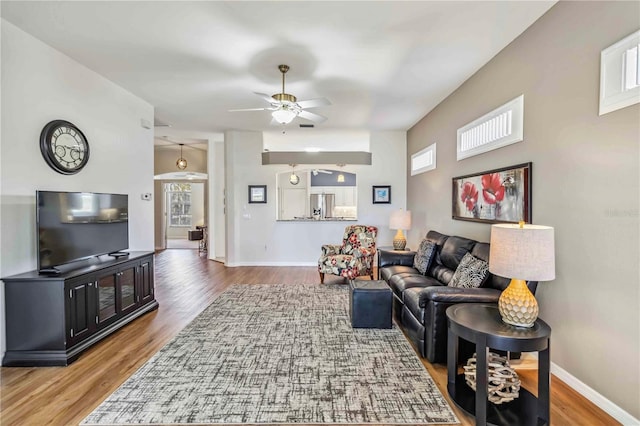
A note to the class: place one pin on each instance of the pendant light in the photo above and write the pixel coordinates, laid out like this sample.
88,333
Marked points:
340,175
181,163
294,179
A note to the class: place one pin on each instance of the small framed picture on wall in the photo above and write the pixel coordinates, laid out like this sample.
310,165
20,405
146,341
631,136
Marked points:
258,194
381,194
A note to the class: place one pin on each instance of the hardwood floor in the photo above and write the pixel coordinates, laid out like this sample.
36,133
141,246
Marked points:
186,283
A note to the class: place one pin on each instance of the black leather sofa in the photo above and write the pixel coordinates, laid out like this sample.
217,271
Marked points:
420,301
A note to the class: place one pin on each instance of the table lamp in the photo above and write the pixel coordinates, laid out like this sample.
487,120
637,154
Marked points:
400,220
523,253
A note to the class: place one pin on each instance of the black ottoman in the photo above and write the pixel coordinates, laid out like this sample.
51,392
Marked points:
370,304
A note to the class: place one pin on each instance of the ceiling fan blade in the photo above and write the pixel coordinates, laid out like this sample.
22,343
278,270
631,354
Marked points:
313,103
267,98
316,118
251,109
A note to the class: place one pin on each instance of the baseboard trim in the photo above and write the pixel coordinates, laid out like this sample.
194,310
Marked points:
236,264
592,395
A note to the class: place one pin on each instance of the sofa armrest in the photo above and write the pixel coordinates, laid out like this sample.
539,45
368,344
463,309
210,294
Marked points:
435,301
331,249
402,258
452,295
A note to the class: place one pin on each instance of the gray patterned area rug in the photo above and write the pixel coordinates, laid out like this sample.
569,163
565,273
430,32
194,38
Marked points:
279,354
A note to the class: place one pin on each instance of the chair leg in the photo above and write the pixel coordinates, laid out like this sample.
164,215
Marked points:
321,278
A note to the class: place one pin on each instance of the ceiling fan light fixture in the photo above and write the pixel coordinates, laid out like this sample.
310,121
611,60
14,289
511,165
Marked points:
181,163
283,116
285,107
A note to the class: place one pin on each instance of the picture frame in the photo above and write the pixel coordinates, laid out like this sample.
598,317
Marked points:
381,194
494,196
257,194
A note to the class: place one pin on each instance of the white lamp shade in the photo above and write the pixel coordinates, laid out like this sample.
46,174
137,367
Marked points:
525,253
400,219
283,116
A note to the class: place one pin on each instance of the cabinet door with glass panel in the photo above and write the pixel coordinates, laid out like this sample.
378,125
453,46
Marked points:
179,196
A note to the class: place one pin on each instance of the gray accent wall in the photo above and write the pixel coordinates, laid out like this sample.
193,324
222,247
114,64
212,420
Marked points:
585,185
324,179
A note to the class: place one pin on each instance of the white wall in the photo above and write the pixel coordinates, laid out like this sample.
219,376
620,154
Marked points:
585,184
217,207
40,84
254,235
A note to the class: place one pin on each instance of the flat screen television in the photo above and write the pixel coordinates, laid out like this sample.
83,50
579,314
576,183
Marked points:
78,225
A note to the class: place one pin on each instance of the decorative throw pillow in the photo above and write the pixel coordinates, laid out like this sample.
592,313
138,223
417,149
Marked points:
424,256
471,272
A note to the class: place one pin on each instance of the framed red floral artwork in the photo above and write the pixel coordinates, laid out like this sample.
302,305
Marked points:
495,196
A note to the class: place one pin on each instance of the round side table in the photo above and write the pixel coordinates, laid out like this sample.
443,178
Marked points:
481,324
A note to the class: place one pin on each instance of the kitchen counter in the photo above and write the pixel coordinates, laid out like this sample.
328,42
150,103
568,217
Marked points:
328,219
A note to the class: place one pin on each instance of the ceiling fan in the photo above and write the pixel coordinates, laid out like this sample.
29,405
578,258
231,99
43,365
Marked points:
316,171
286,107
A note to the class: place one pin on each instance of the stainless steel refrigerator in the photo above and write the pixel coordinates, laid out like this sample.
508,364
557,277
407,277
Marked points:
322,205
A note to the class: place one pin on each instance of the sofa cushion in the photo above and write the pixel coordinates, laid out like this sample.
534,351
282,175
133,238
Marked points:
453,251
401,282
471,272
481,251
441,273
388,271
413,303
424,256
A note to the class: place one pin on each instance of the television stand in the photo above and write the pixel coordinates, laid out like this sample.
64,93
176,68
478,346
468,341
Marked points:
118,254
52,319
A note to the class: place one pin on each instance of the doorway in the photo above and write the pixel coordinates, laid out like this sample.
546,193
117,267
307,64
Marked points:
184,210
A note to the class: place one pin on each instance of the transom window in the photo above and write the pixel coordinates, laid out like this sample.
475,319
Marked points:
501,127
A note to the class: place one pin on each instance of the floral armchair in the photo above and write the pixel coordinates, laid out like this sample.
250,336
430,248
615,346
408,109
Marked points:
354,258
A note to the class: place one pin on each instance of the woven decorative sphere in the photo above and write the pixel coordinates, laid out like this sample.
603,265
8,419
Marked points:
503,384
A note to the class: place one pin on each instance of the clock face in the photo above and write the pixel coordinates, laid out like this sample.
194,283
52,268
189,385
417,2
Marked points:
64,147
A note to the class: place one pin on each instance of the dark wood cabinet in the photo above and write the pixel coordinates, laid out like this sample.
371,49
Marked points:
145,281
50,320
127,289
105,296
80,312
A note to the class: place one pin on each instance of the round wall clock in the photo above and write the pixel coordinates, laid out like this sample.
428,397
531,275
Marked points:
64,147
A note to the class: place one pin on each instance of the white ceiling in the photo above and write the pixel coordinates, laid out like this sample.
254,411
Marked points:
383,65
